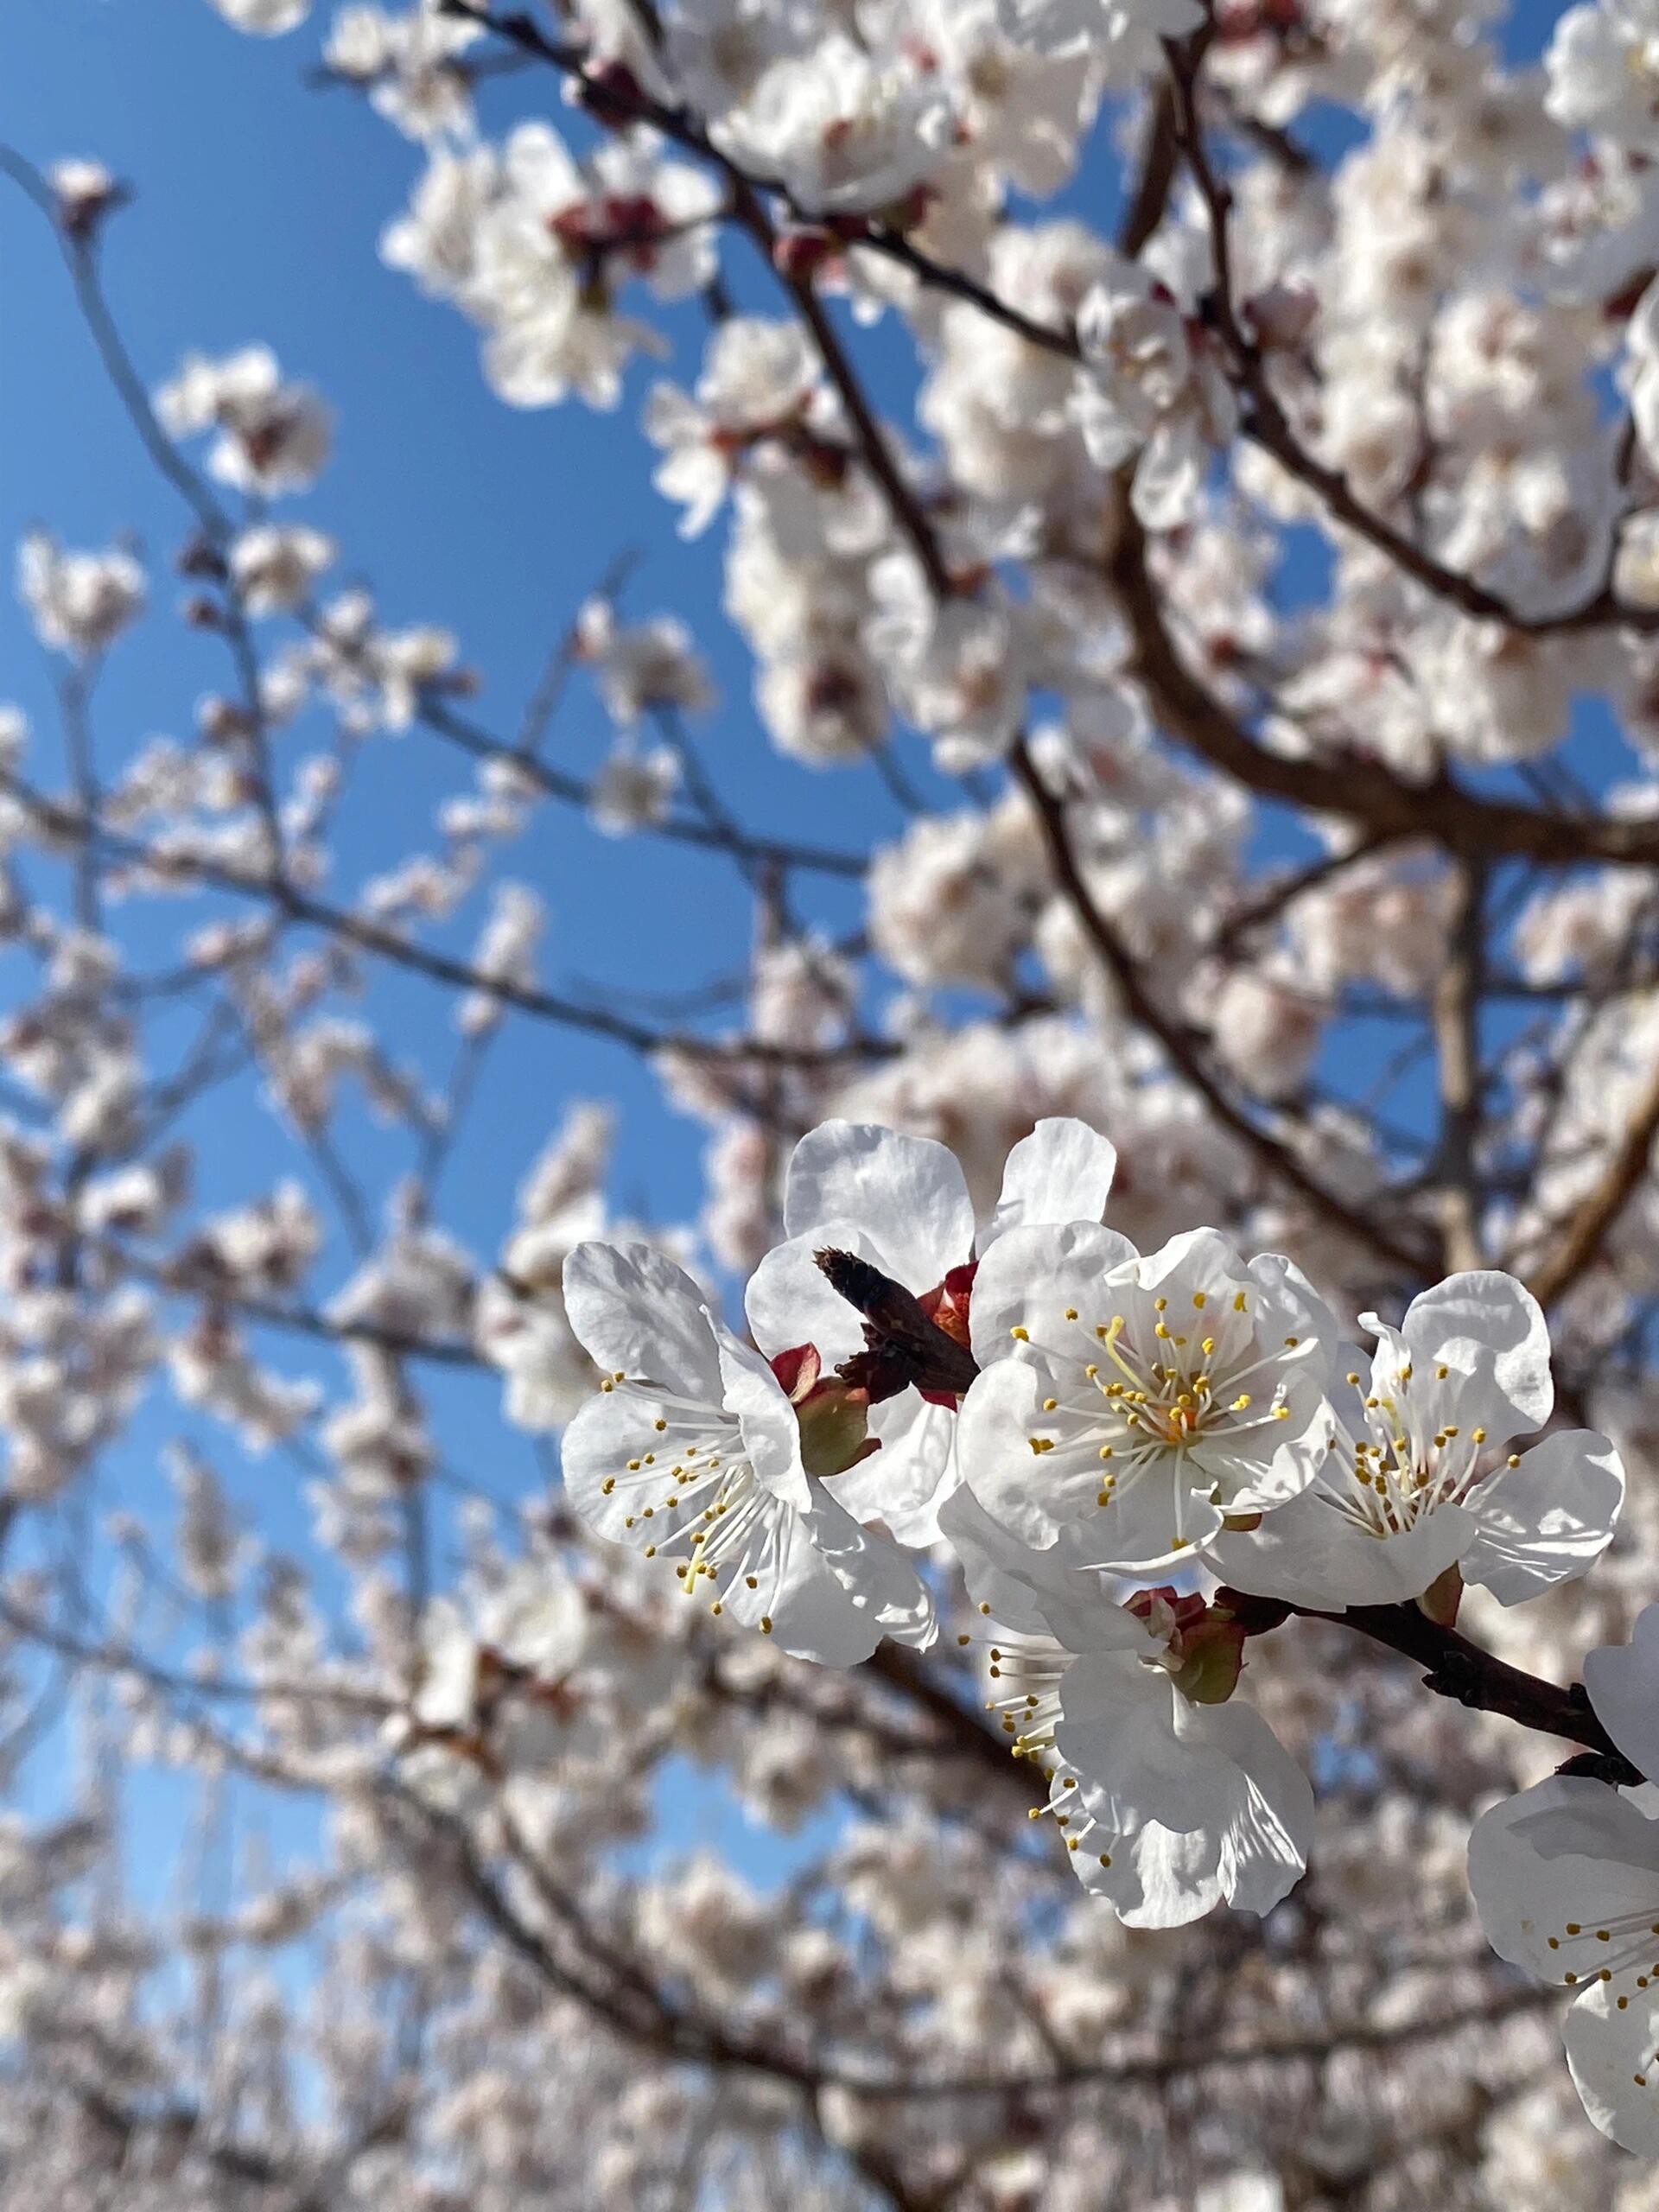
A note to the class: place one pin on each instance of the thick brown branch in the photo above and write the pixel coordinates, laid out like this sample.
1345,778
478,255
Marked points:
1457,1042
1457,1668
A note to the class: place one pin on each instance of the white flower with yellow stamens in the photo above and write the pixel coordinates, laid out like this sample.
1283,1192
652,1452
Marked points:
1146,1398
1170,1793
1565,1877
1419,1478
692,1451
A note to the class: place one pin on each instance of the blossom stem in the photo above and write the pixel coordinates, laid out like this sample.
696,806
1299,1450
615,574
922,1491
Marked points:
1457,1668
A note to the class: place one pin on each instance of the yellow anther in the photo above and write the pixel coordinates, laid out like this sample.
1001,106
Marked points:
1019,1335
1070,1312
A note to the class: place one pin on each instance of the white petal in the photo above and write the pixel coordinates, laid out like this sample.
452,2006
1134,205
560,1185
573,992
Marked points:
1623,1680
635,1312
997,1461
1031,1274
1062,1171
889,1595
1487,1326
1547,1520
907,1482
789,1302
1613,2057
908,1193
1153,1523
771,1435
1269,1832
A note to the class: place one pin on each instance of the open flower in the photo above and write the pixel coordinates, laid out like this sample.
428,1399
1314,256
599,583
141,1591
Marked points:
692,1450
1173,1796
1173,1803
1145,1398
273,435
901,1203
1565,1877
1419,1479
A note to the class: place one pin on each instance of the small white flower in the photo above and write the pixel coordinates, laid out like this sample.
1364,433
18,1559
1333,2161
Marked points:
1419,1478
274,567
692,1451
1146,1398
642,667
633,789
757,380
553,248
847,129
86,191
273,437
80,602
